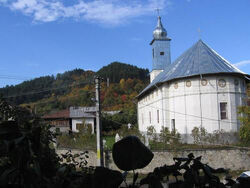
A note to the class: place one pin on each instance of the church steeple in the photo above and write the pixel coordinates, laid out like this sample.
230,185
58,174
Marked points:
159,32
160,50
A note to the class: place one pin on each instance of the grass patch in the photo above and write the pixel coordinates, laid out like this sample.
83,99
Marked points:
110,140
82,141
77,141
155,145
87,141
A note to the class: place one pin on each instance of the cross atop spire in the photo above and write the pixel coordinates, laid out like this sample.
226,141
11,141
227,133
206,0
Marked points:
199,33
158,11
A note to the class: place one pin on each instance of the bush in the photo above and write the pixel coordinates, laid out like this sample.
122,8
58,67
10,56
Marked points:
151,132
245,124
199,135
175,137
164,135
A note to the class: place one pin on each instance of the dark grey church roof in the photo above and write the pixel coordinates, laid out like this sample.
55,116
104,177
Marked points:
197,60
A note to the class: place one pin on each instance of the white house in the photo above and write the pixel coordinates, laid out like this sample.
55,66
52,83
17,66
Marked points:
82,115
200,88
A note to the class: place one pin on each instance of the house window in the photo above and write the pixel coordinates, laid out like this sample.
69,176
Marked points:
142,119
149,117
223,110
161,53
153,52
158,117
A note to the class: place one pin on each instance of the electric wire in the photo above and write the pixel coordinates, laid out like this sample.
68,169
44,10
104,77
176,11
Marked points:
45,90
14,77
189,114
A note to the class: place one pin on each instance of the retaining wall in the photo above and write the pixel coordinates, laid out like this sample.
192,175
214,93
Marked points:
234,159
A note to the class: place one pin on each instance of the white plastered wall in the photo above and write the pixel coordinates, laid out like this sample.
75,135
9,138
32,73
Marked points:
192,106
80,121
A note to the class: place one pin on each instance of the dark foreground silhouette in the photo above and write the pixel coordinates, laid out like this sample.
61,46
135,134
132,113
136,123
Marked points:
189,172
28,161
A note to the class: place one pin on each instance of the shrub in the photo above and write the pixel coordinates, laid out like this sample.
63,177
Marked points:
165,135
151,132
199,135
175,137
245,124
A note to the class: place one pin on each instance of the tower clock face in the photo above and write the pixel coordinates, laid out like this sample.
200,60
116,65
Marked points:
222,83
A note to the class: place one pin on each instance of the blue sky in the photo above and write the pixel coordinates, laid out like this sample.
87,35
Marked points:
45,37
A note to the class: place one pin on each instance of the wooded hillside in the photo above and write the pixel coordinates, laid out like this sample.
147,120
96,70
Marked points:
76,88
116,71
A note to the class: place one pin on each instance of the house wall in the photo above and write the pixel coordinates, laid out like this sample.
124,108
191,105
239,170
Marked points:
80,121
194,106
63,125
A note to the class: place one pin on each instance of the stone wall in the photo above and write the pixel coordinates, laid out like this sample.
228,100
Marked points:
234,159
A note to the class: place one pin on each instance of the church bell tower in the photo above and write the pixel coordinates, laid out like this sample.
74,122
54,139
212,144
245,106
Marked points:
160,50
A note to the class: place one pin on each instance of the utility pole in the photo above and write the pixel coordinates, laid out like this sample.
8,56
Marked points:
107,82
99,143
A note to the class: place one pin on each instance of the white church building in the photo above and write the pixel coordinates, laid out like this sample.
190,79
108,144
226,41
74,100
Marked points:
199,89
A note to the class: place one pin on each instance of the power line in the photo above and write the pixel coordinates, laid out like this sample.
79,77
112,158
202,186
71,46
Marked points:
124,124
189,114
181,114
14,77
45,90
50,101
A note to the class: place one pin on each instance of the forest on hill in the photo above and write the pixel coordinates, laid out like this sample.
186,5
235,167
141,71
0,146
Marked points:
76,88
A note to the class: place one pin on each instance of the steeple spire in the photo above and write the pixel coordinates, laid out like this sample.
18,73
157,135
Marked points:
160,50
159,24
159,32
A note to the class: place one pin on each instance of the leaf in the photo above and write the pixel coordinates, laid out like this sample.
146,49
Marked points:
135,177
62,170
37,168
18,140
4,177
76,155
130,153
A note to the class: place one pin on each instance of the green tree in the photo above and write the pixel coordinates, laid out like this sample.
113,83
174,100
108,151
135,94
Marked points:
245,124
